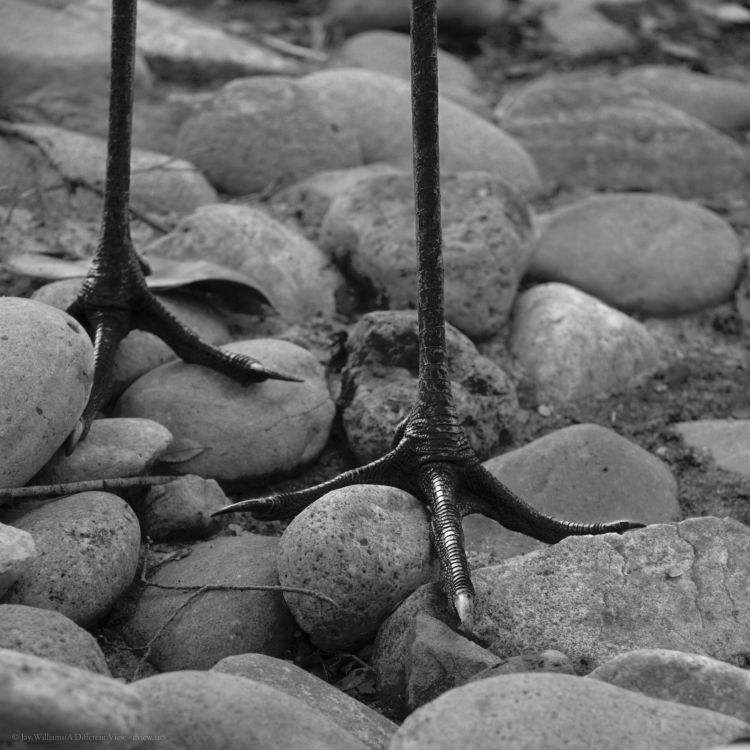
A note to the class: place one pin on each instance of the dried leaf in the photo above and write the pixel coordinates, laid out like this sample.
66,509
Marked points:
181,450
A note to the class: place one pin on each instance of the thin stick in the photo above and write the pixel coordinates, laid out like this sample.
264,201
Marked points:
88,485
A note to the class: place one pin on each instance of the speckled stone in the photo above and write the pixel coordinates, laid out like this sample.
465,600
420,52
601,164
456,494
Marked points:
17,550
88,548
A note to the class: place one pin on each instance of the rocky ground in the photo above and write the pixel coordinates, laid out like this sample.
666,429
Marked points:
596,223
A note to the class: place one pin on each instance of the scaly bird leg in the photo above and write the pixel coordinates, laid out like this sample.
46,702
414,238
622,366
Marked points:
431,457
114,298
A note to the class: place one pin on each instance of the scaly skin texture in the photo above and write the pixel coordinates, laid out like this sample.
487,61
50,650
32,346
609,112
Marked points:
114,298
431,457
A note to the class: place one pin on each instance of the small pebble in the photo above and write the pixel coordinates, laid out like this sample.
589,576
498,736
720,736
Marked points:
726,440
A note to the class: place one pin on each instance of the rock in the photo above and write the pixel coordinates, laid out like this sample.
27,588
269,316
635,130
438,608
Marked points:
17,551
691,679
43,353
377,107
539,661
487,244
215,710
196,631
294,274
44,697
368,726
249,432
530,711
649,254
603,134
379,382
719,102
262,133
367,547
50,635
88,548
583,473
113,448
181,510
573,346
726,440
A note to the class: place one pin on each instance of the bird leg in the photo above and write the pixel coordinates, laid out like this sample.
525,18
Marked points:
114,297
431,457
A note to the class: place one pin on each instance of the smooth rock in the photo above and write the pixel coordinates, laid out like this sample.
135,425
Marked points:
249,432
88,547
692,679
195,633
297,278
43,353
41,697
367,547
17,551
600,133
529,711
720,102
649,254
573,346
487,244
181,510
726,440
379,383
210,710
259,134
368,726
50,635
377,107
539,661
585,473
113,448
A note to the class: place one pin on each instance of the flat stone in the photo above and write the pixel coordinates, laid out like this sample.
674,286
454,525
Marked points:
600,133
529,711
43,353
649,254
41,696
692,679
88,547
294,274
196,631
487,243
368,726
379,382
264,132
367,547
50,635
290,421
726,440
377,107
548,660
215,710
719,102
113,448
585,473
17,551
573,346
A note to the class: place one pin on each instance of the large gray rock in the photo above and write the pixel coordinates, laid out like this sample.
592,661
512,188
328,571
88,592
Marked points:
573,346
197,630
649,254
88,547
43,353
487,244
529,711
17,550
380,380
367,725
377,107
601,133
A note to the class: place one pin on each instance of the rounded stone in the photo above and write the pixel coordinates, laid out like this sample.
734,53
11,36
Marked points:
46,371
50,635
248,432
573,346
367,547
17,550
88,548
189,630
649,254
